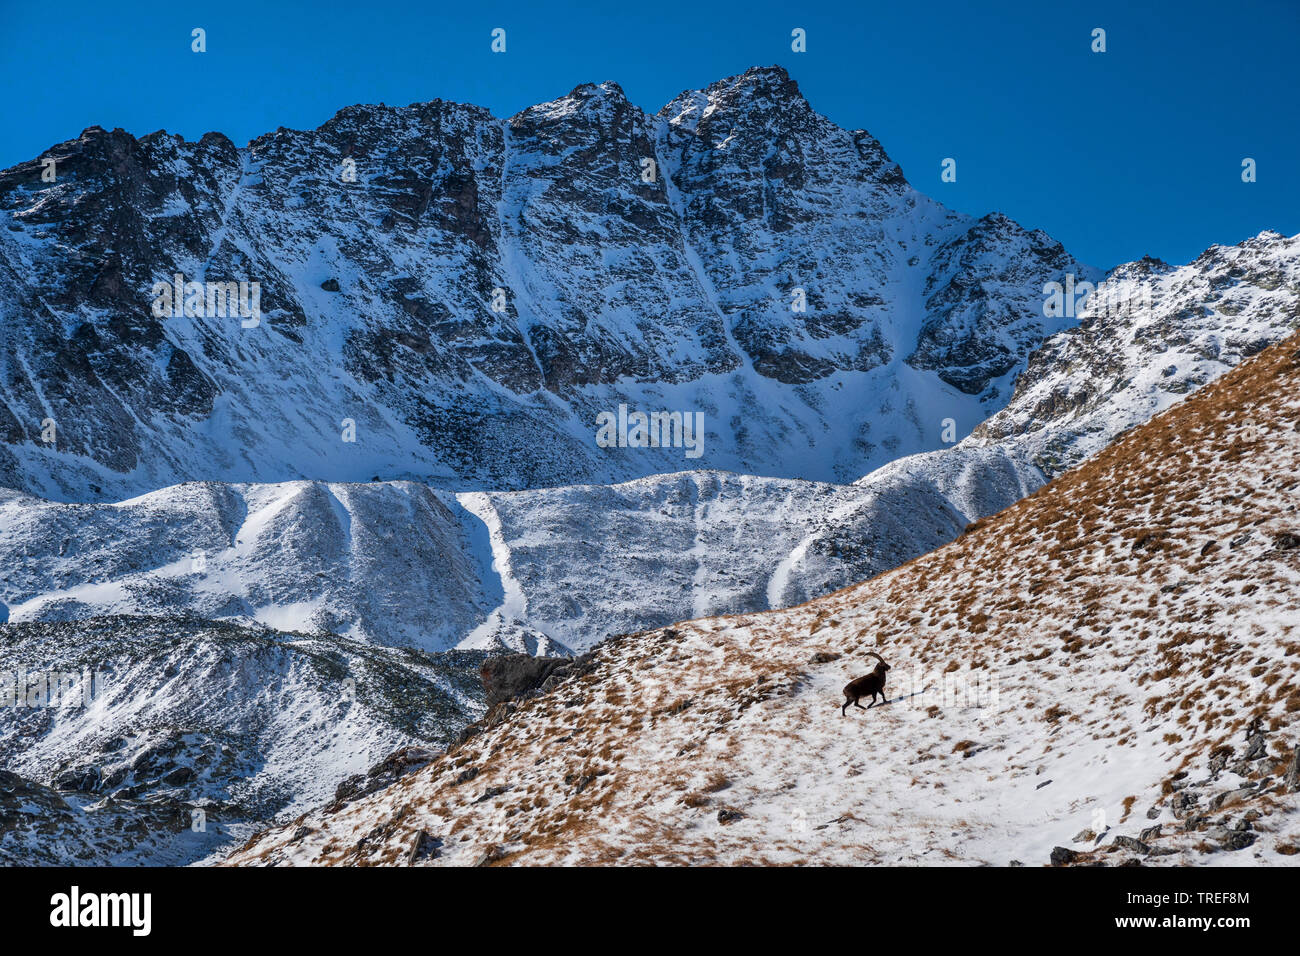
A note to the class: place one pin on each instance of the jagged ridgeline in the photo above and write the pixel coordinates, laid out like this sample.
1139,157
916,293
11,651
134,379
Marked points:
432,292
400,563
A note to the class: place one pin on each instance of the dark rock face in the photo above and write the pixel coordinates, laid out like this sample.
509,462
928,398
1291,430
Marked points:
1129,843
512,676
388,771
471,291
961,340
1232,839
1063,855
79,780
1256,746
1286,541
424,847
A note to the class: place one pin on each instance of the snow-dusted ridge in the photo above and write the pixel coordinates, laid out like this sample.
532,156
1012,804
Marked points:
1115,370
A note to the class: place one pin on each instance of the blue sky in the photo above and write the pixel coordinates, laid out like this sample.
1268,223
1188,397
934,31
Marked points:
1134,151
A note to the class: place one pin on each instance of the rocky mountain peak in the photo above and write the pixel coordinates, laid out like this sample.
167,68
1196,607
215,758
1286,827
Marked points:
588,102
772,82
474,284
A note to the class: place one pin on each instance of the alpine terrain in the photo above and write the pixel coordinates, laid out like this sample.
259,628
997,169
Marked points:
353,483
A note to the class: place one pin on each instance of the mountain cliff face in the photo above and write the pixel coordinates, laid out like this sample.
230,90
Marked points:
1105,672
470,293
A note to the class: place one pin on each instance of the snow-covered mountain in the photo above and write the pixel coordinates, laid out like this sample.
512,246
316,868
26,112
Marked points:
1104,672
396,564
399,563
1150,335
470,293
403,565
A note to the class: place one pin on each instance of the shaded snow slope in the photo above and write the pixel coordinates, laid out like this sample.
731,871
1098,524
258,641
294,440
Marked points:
394,563
403,565
183,715
1116,652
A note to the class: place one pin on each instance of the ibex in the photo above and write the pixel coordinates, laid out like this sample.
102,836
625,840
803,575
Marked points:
867,685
